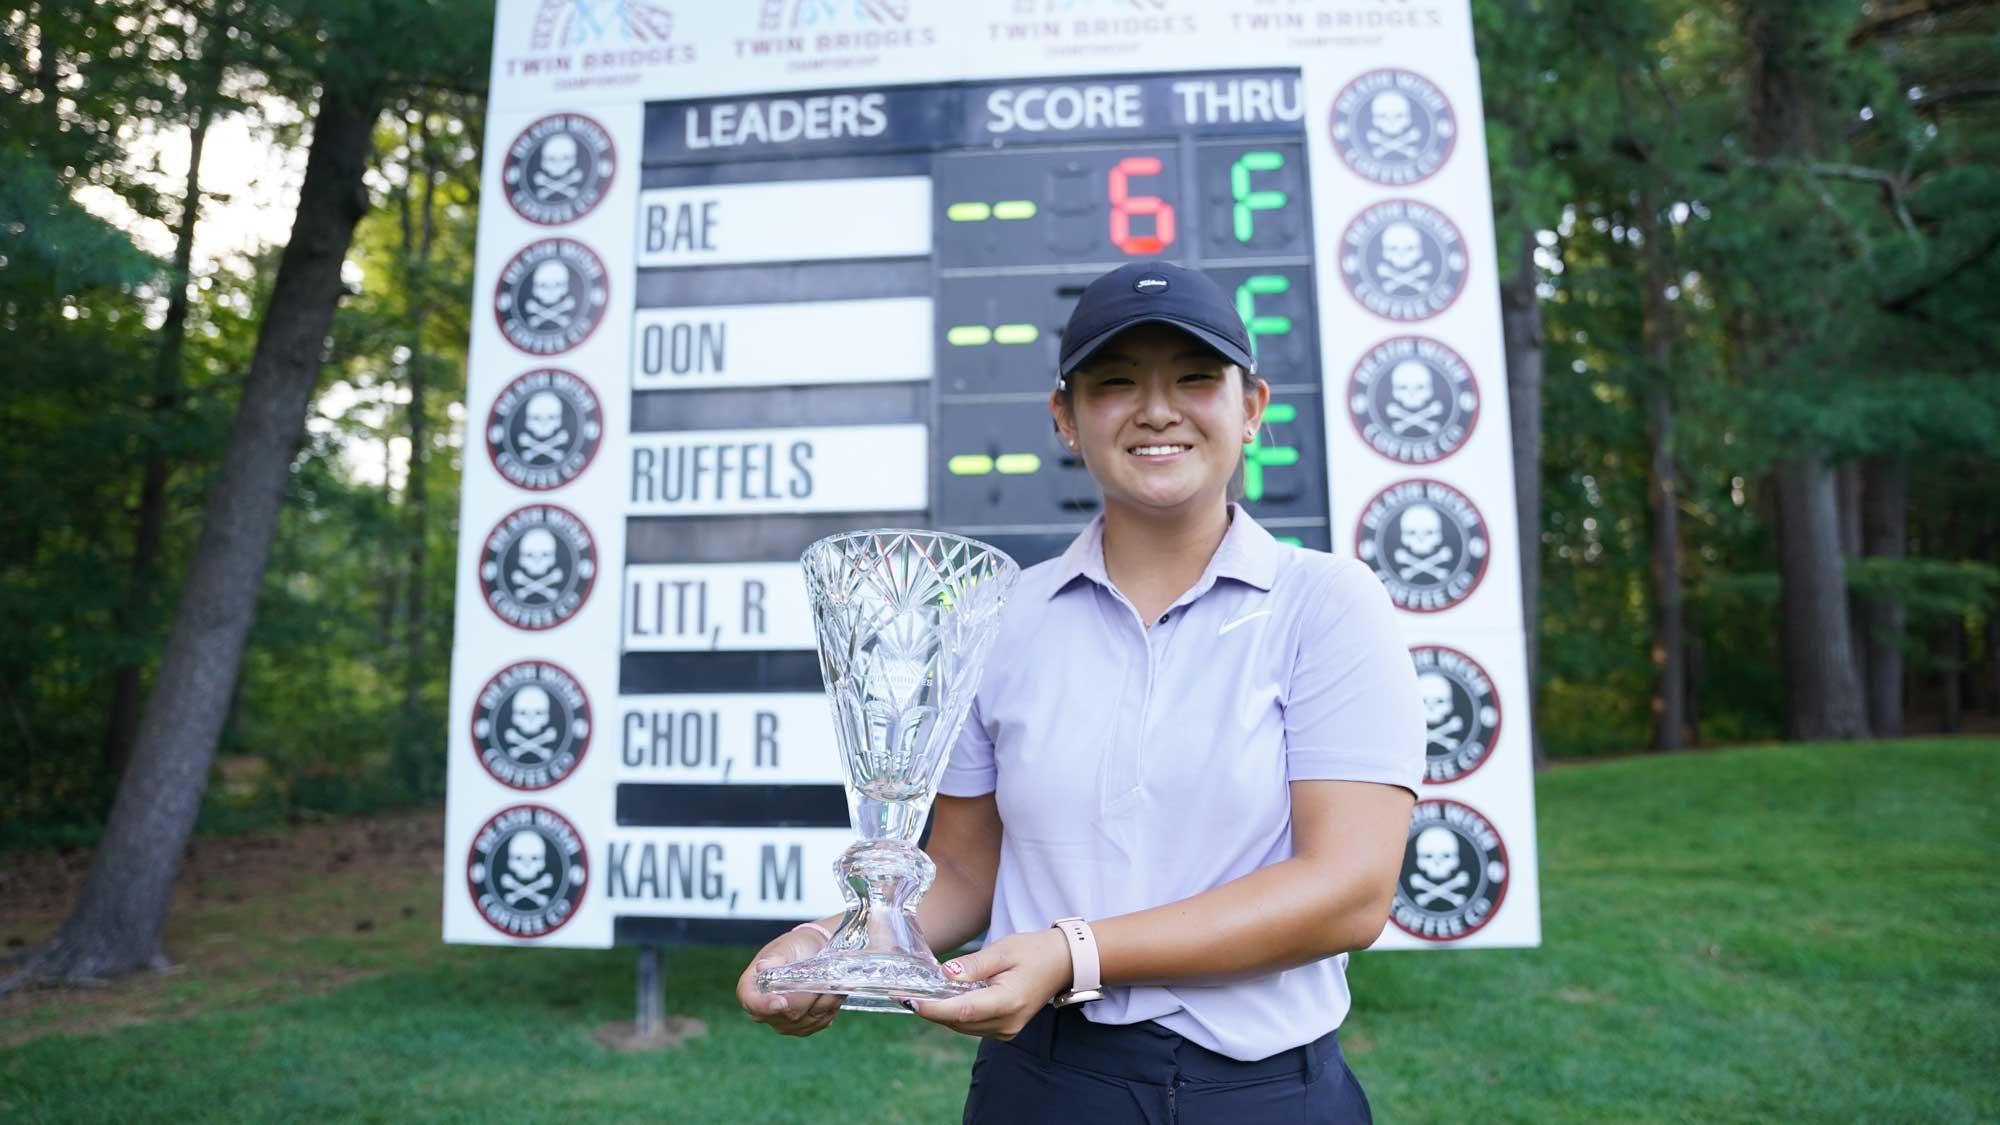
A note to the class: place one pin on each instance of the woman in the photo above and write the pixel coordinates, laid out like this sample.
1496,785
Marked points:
1184,787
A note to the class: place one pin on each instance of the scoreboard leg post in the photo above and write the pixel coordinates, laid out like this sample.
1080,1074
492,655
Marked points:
650,1021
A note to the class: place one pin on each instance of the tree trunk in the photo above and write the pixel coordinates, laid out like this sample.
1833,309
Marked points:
1521,324
1823,691
1694,654
118,922
1951,705
1848,492
418,240
123,721
1885,501
1662,488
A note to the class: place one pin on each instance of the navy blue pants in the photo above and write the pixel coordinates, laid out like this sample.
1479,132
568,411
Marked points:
1062,1067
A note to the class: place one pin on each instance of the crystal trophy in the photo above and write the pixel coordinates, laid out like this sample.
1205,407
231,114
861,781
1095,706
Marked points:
905,620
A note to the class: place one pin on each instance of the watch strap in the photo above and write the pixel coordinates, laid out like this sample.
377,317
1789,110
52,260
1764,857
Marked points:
1084,970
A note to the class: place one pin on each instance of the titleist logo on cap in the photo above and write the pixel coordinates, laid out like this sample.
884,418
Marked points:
1151,284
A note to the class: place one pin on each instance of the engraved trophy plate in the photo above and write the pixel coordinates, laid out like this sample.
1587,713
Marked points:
905,619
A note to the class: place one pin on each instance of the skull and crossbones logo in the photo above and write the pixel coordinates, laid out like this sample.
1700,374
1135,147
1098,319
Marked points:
549,303
527,871
551,296
537,574
1394,131
560,175
1424,551
1403,266
1413,404
531,725
1438,874
1441,726
529,730
1393,126
527,879
1427,543
544,437
1461,712
538,566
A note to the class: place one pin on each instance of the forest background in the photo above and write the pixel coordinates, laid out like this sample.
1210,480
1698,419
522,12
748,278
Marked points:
1751,289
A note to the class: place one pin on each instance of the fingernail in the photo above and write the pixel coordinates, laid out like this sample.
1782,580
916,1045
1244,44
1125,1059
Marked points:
779,1005
953,967
908,1005
767,962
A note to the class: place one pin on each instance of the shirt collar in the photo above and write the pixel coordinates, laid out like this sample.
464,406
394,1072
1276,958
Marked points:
1247,553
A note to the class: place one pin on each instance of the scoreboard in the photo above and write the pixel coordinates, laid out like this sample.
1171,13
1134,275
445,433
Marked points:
753,274
936,236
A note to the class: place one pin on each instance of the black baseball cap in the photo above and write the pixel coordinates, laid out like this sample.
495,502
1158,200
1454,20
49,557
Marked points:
1154,293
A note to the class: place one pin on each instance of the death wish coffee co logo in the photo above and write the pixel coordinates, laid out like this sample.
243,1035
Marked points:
551,296
1413,400
1454,873
558,169
1426,542
531,725
1403,260
1393,127
596,42
527,871
537,567
544,429
1461,713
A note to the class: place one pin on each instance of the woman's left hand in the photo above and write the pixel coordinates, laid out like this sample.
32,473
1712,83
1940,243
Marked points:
1022,971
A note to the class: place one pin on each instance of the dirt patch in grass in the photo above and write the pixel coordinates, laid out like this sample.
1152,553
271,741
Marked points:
255,918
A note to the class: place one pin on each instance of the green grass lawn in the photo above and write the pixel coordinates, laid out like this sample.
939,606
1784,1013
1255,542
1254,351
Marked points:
1785,934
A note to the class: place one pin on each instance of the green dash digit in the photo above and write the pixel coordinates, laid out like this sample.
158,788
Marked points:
1253,287
1256,458
1249,202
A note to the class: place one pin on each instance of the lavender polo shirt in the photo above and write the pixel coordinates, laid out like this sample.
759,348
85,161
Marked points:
1134,767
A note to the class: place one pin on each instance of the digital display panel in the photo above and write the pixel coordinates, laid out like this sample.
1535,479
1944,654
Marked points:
977,211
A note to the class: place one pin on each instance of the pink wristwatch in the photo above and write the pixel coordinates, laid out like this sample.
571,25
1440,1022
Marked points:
1084,979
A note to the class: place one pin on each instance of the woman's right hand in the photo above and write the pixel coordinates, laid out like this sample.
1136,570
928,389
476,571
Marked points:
788,1013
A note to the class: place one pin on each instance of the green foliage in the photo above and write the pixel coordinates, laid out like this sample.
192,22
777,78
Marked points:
321,701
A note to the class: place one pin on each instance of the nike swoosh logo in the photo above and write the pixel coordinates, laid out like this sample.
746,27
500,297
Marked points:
1242,619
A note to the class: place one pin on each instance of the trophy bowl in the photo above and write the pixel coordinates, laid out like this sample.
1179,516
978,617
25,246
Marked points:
905,619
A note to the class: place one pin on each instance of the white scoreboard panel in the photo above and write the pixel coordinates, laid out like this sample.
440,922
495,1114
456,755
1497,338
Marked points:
757,271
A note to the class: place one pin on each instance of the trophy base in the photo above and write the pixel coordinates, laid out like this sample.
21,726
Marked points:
872,982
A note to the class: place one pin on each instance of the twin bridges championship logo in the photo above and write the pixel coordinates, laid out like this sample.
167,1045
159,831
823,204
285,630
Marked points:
1413,400
596,43
558,169
1461,713
1426,542
537,567
531,725
1454,874
1393,127
544,429
527,871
